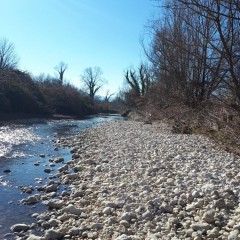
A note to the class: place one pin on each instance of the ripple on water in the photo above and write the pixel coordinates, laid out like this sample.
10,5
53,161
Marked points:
12,136
4,182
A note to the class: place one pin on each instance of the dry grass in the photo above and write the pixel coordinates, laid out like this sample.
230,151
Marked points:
216,120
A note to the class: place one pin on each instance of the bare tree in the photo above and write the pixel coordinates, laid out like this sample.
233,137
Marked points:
108,96
92,80
61,68
225,15
8,57
138,81
185,54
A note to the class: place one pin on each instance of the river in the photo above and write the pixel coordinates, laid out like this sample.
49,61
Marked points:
21,145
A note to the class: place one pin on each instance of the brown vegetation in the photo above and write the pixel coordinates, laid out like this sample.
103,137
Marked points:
194,75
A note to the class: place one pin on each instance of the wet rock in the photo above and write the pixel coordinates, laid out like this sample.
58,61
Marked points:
20,227
28,190
63,168
47,170
59,160
51,188
7,171
41,188
30,200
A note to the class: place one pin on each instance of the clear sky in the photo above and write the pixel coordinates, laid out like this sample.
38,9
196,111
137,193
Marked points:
81,33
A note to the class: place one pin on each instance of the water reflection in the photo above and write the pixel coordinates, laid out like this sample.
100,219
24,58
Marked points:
20,147
14,135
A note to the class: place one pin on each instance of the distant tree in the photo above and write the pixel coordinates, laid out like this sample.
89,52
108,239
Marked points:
108,96
92,80
139,81
45,78
8,57
61,68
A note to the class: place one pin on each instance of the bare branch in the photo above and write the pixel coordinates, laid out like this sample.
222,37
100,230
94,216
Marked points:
92,79
8,58
61,68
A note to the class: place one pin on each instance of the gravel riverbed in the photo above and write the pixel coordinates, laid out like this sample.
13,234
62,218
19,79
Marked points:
131,180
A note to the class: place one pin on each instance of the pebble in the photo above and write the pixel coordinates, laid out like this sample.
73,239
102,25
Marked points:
234,235
34,237
58,160
123,237
63,168
209,216
51,188
53,234
72,209
55,203
201,226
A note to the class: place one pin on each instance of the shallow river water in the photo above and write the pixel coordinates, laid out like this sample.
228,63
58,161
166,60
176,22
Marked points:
20,147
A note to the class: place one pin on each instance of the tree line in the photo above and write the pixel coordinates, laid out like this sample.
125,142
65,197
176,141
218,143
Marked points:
193,57
20,92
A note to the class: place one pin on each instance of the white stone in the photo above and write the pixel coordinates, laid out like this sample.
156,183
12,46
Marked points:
51,188
234,235
34,237
72,209
123,237
107,210
53,234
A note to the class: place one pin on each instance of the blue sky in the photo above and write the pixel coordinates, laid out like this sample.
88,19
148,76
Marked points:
81,33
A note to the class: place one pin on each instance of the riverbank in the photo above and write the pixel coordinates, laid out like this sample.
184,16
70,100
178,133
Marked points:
31,118
25,119
132,180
